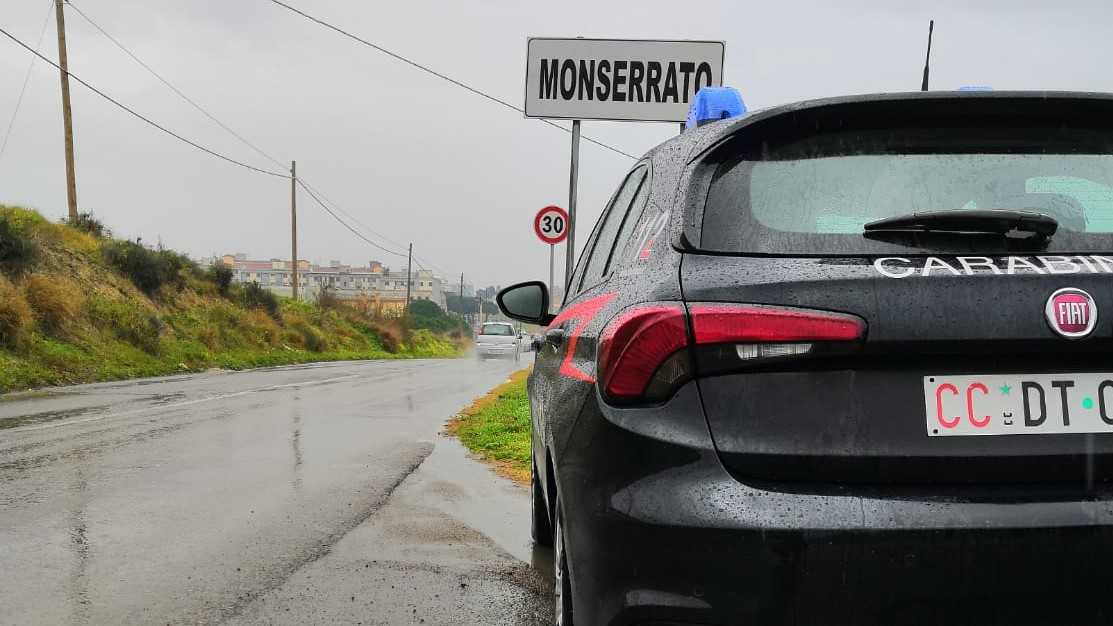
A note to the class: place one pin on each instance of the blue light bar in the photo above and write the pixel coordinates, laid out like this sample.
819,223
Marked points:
975,88
713,104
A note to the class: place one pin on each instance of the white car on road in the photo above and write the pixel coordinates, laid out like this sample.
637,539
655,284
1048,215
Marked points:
497,339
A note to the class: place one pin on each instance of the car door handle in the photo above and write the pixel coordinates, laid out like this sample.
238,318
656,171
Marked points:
555,336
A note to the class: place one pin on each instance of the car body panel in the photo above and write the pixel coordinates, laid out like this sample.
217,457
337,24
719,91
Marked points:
861,417
663,532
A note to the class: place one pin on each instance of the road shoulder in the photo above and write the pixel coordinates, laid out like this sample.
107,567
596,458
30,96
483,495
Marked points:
450,546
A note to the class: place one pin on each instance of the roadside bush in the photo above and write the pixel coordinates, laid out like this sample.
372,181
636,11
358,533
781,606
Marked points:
427,315
390,333
18,251
221,275
312,339
178,267
209,337
255,297
22,220
16,317
55,300
148,270
87,223
145,333
128,322
262,327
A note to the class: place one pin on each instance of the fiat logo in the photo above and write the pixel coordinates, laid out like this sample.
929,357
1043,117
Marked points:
1071,312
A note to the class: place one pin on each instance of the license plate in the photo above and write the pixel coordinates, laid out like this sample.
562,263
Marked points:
1018,404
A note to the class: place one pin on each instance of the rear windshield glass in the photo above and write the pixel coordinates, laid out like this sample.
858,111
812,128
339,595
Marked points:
497,329
813,195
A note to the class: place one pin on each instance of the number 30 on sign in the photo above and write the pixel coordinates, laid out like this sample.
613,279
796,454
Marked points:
551,225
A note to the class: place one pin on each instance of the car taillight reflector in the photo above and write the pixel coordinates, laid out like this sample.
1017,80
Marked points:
753,323
642,352
635,344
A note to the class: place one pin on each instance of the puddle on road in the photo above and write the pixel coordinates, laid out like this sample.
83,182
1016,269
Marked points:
50,416
472,493
166,398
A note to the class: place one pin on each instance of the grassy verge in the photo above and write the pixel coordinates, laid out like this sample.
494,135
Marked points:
78,306
497,427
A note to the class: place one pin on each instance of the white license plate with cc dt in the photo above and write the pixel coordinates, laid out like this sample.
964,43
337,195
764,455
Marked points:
1022,404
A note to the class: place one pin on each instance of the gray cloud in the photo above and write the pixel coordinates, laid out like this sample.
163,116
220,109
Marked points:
419,159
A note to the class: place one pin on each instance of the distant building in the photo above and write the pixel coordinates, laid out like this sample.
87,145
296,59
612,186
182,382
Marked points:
488,293
387,288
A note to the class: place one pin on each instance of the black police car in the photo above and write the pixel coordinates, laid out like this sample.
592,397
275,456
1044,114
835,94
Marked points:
839,362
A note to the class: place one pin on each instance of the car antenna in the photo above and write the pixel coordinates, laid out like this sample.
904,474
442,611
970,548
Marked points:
927,59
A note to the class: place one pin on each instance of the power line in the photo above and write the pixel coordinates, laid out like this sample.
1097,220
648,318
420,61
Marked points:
173,88
345,224
136,114
444,77
352,217
337,207
316,194
212,117
26,80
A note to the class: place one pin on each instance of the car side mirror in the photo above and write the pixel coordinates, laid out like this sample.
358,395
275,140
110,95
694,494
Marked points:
526,302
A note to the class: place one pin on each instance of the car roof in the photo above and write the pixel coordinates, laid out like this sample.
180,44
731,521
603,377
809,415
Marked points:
693,141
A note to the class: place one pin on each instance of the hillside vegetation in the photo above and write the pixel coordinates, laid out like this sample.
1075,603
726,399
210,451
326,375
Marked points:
79,306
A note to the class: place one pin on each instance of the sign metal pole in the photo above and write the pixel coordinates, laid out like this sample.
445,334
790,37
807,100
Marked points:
573,176
552,255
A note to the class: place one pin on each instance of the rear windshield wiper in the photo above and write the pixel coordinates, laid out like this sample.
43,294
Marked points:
1007,222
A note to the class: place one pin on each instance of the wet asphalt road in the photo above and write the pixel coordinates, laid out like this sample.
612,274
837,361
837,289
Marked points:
309,494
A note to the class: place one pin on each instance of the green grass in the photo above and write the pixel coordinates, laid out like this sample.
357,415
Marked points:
191,341
497,427
90,322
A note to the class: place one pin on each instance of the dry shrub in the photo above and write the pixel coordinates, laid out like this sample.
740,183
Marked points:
391,333
293,339
88,223
255,296
313,339
263,326
209,336
55,300
16,317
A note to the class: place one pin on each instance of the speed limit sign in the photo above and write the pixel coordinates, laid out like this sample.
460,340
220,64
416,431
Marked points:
551,225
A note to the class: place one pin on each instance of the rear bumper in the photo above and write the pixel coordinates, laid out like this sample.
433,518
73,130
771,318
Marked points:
498,349
661,532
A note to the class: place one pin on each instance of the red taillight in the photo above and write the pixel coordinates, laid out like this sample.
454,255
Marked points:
642,354
635,344
752,323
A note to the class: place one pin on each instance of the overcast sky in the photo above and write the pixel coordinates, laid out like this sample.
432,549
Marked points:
418,159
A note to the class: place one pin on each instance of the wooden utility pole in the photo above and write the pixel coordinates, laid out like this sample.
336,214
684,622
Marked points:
67,114
462,313
409,276
294,225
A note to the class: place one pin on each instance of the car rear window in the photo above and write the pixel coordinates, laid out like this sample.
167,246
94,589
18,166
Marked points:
813,195
497,329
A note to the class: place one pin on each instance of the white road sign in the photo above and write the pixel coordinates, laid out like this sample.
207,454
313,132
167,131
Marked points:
618,79
551,225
